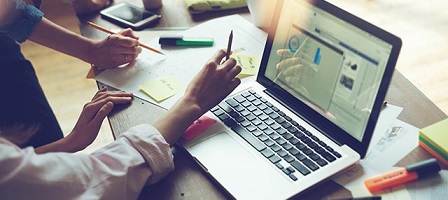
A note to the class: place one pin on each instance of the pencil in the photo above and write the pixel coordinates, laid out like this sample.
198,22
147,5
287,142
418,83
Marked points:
229,45
111,32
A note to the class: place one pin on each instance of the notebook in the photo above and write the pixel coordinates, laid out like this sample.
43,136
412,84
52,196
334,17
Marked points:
312,110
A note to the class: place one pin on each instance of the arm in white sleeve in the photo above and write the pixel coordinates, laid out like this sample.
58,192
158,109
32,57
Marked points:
117,171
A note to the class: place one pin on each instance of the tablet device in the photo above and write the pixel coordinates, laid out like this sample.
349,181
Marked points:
130,16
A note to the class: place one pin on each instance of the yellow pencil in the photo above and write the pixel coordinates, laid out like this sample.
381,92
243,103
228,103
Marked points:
111,32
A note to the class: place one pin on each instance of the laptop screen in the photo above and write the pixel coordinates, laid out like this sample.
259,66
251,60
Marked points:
326,63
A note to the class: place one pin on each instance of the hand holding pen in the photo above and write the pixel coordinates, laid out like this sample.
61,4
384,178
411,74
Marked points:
129,49
115,50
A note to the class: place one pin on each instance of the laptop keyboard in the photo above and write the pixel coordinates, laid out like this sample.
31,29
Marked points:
276,136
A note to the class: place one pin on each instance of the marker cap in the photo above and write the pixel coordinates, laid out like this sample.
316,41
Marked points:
425,168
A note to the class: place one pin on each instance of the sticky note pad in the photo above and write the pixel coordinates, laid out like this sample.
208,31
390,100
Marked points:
437,135
162,88
248,63
198,127
434,139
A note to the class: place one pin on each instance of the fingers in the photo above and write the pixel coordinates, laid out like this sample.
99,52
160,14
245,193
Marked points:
102,103
116,97
126,50
287,62
103,112
129,33
229,64
99,93
104,94
233,72
124,54
114,51
284,52
293,70
120,40
125,58
218,56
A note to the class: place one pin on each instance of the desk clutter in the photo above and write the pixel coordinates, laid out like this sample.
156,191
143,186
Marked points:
434,139
161,80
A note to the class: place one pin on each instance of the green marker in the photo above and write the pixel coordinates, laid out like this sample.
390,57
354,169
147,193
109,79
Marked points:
185,41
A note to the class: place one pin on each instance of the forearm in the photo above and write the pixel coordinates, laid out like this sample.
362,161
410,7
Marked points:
174,123
58,38
116,171
61,145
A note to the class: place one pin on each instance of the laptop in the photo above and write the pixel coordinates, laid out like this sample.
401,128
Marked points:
312,110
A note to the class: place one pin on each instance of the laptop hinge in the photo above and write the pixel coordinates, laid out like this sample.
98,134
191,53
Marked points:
282,100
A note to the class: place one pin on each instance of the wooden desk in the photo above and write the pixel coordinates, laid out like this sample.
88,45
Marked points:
188,181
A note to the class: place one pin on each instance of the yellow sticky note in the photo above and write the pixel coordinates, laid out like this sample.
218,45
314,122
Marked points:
248,63
162,88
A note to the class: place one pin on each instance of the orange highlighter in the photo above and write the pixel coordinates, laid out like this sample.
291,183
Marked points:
409,173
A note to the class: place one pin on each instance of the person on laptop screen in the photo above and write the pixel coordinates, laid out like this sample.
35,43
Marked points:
319,63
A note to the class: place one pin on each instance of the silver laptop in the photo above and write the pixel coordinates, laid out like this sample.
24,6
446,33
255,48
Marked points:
312,110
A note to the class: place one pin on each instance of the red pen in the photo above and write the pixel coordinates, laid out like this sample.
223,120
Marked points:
409,173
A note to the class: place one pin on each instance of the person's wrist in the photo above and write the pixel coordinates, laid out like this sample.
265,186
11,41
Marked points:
71,144
89,51
191,106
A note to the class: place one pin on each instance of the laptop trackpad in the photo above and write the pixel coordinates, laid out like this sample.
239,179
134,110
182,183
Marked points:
218,148
225,158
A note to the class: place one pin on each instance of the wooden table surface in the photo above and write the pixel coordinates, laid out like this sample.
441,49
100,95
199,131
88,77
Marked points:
188,181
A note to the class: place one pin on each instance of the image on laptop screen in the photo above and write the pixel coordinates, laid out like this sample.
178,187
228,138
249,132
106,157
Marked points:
328,64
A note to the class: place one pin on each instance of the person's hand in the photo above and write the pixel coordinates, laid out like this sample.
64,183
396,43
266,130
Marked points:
289,69
209,87
115,50
89,6
89,122
214,82
292,68
92,116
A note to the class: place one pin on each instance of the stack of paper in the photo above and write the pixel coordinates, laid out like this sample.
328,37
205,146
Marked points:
434,139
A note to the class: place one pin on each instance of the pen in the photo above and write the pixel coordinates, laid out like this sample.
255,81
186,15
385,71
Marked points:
111,32
362,198
229,44
409,173
384,105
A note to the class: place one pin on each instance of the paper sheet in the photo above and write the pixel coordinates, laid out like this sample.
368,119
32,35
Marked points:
183,63
433,187
387,116
353,180
397,142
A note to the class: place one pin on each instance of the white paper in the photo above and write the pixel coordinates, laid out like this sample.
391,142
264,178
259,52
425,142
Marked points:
353,180
432,187
387,116
397,142
183,63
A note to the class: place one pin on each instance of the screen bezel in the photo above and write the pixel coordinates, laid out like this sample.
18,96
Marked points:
107,13
310,115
